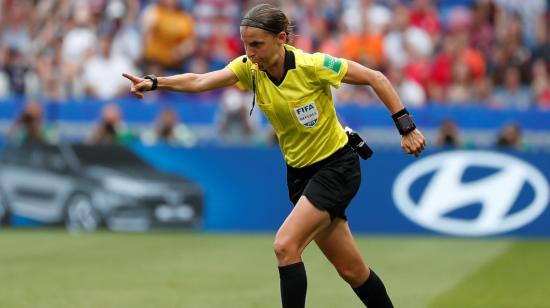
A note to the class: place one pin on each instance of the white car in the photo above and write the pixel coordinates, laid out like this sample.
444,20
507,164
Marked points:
86,187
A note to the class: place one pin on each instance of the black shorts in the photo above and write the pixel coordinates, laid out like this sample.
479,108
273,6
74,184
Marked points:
329,184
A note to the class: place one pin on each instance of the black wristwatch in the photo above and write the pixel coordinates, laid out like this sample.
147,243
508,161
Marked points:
403,121
154,79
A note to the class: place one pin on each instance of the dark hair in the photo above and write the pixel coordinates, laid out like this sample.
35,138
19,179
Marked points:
268,18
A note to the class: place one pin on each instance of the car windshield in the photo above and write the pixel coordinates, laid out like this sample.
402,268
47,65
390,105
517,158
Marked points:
107,155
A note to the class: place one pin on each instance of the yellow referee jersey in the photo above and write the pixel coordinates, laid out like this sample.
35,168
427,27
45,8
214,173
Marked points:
300,106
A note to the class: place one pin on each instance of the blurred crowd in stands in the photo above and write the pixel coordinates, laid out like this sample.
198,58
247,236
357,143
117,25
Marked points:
449,52
494,52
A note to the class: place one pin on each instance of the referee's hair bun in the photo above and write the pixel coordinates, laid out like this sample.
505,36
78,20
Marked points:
245,59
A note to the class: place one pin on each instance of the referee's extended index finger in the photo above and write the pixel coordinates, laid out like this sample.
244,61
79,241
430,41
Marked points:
132,78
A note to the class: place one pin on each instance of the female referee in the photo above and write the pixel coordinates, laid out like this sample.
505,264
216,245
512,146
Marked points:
292,88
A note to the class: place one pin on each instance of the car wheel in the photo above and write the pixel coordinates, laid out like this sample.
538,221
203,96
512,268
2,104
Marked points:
4,211
81,215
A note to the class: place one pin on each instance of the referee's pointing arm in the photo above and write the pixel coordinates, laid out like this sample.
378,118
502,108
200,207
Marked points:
187,82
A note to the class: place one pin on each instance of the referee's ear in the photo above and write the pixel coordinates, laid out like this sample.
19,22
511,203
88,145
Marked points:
281,37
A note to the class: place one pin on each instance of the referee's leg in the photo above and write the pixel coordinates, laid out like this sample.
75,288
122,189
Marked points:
301,226
337,244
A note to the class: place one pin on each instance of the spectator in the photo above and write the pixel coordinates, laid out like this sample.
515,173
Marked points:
508,49
105,67
448,135
235,124
17,69
394,41
510,137
205,12
77,46
460,90
127,40
410,91
110,129
483,90
458,63
318,20
441,69
528,13
483,23
424,15
222,46
418,46
542,47
16,32
168,34
540,84
513,94
28,128
169,130
366,46
52,74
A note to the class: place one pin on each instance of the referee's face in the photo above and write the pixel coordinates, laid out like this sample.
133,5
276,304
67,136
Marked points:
261,46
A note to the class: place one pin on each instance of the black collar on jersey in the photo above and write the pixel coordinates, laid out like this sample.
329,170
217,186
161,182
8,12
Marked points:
290,64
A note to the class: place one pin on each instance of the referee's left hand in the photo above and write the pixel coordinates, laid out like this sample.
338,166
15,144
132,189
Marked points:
413,142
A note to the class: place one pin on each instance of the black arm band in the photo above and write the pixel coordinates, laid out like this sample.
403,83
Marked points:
403,121
154,79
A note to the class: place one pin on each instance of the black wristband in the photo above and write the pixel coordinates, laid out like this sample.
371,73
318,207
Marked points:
403,121
154,79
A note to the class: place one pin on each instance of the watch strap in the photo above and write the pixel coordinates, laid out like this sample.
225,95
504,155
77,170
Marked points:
154,79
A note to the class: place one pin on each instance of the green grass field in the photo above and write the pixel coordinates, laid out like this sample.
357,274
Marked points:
51,268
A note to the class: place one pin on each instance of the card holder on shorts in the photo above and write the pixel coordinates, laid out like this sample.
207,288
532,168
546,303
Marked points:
358,144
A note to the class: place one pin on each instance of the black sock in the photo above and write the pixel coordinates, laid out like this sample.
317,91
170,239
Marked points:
373,293
293,285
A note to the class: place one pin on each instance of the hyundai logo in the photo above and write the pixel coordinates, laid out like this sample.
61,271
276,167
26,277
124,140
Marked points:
446,191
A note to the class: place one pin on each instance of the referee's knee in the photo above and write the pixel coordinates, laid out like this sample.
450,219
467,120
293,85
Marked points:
286,252
355,273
